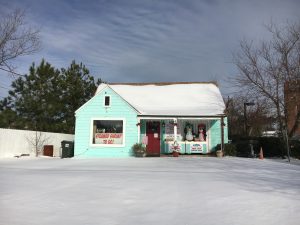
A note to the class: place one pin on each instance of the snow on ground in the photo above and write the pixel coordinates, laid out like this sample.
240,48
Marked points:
167,191
293,161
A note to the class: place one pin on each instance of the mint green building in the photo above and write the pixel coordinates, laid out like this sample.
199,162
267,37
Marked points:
189,114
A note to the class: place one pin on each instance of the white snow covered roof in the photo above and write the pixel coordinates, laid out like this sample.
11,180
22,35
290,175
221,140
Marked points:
176,99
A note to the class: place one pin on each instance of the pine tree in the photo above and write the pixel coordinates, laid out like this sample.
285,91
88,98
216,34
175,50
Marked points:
47,98
78,87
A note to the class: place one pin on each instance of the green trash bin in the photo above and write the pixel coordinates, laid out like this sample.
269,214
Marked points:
67,149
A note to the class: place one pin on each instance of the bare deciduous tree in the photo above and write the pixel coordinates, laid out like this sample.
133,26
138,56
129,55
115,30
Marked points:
265,68
258,119
37,142
16,39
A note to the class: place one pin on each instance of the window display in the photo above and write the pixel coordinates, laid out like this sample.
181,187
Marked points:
202,132
108,132
194,130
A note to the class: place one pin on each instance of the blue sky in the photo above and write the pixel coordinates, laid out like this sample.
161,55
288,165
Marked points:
148,40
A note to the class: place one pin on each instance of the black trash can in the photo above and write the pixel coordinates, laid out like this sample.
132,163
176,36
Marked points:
67,149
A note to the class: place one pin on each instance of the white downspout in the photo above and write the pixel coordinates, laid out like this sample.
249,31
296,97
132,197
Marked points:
138,130
175,129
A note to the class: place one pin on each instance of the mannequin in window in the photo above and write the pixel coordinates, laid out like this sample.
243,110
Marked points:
202,132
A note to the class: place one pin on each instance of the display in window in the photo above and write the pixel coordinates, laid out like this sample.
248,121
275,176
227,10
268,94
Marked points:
169,131
189,135
202,132
108,132
188,130
194,132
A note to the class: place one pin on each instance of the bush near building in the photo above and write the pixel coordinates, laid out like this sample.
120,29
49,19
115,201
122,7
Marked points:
272,146
229,149
295,148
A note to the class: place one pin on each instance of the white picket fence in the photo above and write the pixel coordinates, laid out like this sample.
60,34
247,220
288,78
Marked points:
17,142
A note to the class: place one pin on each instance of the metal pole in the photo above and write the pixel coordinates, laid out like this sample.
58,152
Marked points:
245,120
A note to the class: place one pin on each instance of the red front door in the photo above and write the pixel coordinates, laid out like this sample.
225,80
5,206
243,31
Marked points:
153,133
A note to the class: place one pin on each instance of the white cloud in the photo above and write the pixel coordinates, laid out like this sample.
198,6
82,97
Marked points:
136,41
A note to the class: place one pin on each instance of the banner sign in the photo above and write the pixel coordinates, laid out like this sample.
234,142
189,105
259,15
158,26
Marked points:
196,147
108,138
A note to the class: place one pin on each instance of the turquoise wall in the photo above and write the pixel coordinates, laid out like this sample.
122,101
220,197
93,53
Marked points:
215,133
119,108
94,108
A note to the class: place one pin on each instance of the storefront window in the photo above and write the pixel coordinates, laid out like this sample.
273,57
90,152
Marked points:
193,130
108,132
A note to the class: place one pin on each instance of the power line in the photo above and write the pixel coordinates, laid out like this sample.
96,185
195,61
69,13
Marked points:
21,75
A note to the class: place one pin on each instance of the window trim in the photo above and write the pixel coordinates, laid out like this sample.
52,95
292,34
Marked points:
107,145
107,106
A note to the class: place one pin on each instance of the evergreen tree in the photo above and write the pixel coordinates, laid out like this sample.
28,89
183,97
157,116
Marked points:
35,98
46,98
78,86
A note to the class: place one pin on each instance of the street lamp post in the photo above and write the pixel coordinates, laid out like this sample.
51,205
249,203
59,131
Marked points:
245,116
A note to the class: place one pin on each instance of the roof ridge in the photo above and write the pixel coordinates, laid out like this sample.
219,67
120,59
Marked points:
164,83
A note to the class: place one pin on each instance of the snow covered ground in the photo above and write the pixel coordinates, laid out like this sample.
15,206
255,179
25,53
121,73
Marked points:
166,191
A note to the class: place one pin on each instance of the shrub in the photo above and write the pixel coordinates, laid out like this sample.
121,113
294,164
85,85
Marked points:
230,149
139,150
243,148
272,146
295,149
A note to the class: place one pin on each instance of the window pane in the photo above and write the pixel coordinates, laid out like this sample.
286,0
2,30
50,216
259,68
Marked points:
108,132
107,100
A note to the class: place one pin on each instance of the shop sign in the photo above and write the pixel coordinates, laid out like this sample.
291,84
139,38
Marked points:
108,138
170,137
196,147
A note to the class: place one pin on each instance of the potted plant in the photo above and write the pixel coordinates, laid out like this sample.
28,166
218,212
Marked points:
219,153
175,149
139,150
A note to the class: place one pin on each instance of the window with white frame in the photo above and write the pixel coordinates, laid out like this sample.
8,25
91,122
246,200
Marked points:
108,131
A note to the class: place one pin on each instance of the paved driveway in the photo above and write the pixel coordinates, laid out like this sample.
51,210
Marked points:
142,191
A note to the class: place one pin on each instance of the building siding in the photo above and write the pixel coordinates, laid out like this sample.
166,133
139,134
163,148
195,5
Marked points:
215,133
95,109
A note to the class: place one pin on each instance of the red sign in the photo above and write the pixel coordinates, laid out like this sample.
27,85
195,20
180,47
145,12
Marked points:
108,138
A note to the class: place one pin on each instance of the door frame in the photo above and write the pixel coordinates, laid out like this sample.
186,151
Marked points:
155,152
